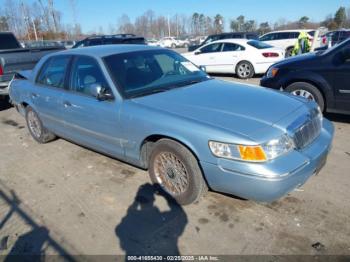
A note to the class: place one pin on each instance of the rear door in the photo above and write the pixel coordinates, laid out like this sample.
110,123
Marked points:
89,121
46,94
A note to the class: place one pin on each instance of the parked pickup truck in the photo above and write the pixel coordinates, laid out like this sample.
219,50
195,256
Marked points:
15,58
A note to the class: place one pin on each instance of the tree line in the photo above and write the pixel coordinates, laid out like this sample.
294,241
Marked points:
41,20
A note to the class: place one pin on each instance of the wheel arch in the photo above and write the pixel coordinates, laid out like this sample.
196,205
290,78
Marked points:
325,92
148,143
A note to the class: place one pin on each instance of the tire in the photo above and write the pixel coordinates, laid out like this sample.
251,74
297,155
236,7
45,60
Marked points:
173,46
36,128
289,52
244,70
307,91
170,161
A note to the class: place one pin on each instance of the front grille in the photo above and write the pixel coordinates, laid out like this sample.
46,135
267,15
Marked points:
308,132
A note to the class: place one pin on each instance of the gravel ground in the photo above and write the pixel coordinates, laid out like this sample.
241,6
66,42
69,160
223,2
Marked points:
60,198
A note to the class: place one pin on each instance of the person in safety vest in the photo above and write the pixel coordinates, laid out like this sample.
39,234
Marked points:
303,45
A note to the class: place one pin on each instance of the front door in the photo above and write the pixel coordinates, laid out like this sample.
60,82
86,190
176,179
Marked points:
207,56
341,78
92,122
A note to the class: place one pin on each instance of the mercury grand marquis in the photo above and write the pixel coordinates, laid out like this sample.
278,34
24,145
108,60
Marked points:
154,109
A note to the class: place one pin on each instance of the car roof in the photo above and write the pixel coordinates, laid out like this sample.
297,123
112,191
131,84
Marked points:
106,50
293,30
233,40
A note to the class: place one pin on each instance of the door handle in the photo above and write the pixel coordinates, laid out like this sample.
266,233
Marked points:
67,104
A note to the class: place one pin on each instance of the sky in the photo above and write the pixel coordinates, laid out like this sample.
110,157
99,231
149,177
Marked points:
92,14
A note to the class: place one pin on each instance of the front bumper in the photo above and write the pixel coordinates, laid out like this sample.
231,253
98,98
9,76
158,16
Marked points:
266,182
270,83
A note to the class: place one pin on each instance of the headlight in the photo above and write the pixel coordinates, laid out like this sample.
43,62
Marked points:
258,153
272,72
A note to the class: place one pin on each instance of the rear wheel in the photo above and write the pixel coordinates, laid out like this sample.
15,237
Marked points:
245,70
289,52
36,128
176,170
307,91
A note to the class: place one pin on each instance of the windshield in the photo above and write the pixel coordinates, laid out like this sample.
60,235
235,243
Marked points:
258,44
146,72
329,50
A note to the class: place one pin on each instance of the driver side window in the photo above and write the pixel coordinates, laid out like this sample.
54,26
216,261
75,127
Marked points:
216,47
85,74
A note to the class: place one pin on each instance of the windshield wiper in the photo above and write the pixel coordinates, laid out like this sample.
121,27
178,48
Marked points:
154,91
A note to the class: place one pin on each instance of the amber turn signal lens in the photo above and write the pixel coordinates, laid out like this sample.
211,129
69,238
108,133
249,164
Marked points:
252,153
274,72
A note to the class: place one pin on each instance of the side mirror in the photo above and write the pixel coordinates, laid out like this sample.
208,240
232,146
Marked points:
100,92
197,52
203,68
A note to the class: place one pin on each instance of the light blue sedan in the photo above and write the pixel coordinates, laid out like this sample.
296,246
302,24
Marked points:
154,109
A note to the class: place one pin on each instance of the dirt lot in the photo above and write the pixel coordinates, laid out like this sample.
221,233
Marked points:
60,198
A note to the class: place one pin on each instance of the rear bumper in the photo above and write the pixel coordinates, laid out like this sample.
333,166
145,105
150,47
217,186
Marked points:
270,181
4,88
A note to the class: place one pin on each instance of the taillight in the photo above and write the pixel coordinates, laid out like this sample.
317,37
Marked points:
324,40
1,70
270,54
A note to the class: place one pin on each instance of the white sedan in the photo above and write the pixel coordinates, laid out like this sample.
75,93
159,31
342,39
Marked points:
242,57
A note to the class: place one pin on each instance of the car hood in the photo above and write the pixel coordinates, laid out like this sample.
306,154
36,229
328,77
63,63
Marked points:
297,59
238,108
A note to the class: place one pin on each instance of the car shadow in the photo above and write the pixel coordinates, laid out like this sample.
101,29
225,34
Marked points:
32,245
258,76
4,103
340,118
146,230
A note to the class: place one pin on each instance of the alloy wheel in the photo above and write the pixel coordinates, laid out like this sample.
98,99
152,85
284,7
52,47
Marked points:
244,70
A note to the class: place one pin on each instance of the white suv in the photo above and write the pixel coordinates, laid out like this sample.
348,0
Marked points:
285,39
169,42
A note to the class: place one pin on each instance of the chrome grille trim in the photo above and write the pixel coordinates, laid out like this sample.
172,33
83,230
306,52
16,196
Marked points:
309,131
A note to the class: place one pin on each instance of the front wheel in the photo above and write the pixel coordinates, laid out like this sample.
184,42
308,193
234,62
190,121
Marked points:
173,46
245,70
307,91
289,52
176,170
36,128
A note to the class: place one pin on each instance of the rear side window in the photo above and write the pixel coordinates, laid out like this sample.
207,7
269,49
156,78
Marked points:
269,37
93,42
230,47
53,72
282,36
8,41
252,36
86,73
258,44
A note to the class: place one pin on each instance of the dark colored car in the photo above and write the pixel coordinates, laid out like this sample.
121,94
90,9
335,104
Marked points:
321,76
111,40
335,37
13,58
233,35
